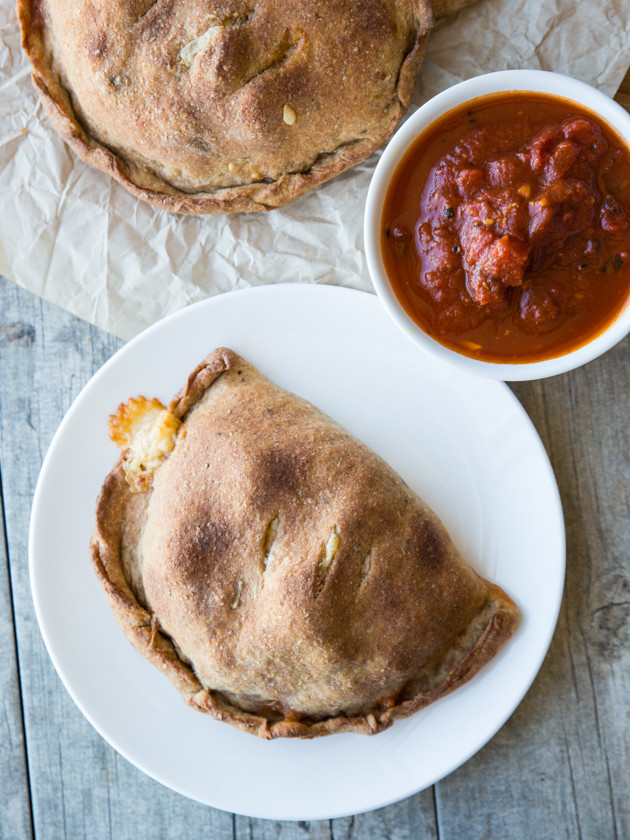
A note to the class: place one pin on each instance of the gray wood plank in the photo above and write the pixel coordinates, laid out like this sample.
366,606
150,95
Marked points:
15,805
414,817
559,767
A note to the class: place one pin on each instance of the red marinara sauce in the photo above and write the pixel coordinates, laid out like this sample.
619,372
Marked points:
506,228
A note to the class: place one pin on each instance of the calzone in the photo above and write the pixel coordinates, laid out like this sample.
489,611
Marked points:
214,106
280,573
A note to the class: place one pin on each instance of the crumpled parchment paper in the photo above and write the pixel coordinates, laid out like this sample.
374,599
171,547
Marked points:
75,237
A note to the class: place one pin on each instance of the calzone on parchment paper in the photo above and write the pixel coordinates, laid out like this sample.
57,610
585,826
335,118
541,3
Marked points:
229,105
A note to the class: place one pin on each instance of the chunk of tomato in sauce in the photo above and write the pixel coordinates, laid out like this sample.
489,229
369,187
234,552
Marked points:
519,210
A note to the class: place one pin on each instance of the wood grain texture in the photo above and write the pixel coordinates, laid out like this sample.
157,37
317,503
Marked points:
15,806
558,768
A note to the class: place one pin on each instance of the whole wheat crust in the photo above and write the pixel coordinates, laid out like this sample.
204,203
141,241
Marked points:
220,574
215,107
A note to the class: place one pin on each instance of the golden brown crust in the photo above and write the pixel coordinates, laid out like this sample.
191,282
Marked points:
224,107
282,576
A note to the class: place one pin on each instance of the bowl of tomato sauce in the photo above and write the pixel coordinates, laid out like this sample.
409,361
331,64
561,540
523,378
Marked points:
497,225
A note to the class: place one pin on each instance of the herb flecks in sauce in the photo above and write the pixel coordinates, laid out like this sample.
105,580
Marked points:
512,220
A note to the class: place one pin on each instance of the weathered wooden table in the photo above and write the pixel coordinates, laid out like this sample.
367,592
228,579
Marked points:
559,768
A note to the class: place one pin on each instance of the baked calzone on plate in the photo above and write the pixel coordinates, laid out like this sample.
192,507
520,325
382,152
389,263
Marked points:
278,571
211,106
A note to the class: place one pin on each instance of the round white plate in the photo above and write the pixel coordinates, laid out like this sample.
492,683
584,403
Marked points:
463,443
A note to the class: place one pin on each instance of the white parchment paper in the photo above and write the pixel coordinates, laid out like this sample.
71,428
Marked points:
75,237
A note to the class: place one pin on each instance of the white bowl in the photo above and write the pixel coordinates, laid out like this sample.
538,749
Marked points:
508,81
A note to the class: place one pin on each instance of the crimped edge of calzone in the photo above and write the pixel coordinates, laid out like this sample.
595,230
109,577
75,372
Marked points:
147,185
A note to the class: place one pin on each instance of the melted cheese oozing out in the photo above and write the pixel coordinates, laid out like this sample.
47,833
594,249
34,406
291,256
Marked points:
146,432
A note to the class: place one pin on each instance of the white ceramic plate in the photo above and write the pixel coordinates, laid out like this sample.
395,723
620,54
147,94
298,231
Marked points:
464,443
